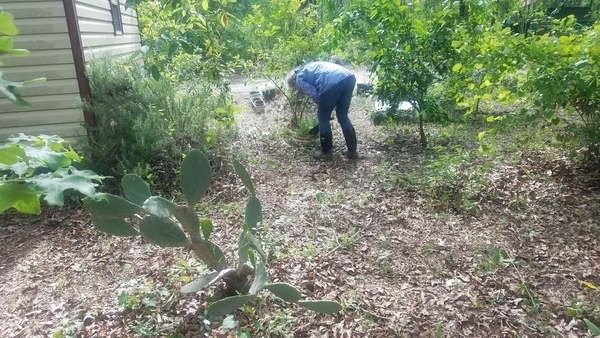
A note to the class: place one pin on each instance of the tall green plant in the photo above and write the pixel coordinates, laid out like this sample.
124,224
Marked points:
175,27
168,224
408,61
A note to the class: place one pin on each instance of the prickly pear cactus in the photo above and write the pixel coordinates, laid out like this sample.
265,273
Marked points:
164,223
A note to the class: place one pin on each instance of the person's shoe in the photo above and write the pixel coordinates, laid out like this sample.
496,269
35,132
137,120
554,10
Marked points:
352,156
350,137
319,154
326,145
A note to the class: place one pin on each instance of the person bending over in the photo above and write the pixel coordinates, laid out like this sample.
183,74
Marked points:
330,86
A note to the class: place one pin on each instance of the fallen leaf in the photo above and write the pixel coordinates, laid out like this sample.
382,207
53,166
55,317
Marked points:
589,285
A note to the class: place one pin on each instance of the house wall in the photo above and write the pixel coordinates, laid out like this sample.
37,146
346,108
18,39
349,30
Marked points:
97,32
43,31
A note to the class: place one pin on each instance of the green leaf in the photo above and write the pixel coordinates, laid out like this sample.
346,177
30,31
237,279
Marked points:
481,135
230,323
114,226
7,24
489,119
228,305
11,90
187,48
199,283
11,155
261,277
19,196
205,5
484,148
17,52
54,184
581,63
243,334
456,67
253,213
207,227
593,328
36,80
284,291
195,176
155,73
456,44
136,189
111,206
159,206
52,159
244,176
163,232
321,306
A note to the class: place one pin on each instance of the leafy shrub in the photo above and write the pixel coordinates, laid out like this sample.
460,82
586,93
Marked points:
563,72
172,28
277,35
167,224
143,125
35,166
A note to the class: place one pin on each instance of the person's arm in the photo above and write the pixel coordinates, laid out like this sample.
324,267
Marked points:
307,88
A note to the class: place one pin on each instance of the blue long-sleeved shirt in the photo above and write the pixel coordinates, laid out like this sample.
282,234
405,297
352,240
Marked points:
316,78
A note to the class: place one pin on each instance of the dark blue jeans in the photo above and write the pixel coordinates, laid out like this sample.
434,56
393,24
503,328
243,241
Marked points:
338,97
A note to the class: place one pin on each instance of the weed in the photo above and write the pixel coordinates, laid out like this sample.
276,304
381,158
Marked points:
321,197
346,240
385,240
304,127
531,301
385,262
184,269
149,296
438,331
276,324
69,329
492,257
310,251
146,328
426,250
579,308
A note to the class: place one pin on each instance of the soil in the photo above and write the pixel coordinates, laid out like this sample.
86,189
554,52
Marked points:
337,229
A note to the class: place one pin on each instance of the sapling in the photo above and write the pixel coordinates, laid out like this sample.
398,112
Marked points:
167,224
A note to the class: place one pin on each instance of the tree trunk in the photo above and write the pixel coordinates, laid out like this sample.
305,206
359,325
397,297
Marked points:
422,129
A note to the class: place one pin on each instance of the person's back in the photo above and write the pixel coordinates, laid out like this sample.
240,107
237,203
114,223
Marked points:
320,75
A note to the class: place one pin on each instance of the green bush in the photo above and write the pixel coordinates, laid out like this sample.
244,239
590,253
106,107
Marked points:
144,125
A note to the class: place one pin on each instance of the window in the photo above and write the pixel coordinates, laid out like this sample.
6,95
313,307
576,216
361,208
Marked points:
115,10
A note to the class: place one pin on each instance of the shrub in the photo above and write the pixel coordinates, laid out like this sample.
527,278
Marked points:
143,125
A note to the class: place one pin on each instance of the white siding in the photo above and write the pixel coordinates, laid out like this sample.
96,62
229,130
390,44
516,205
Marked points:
43,31
97,32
